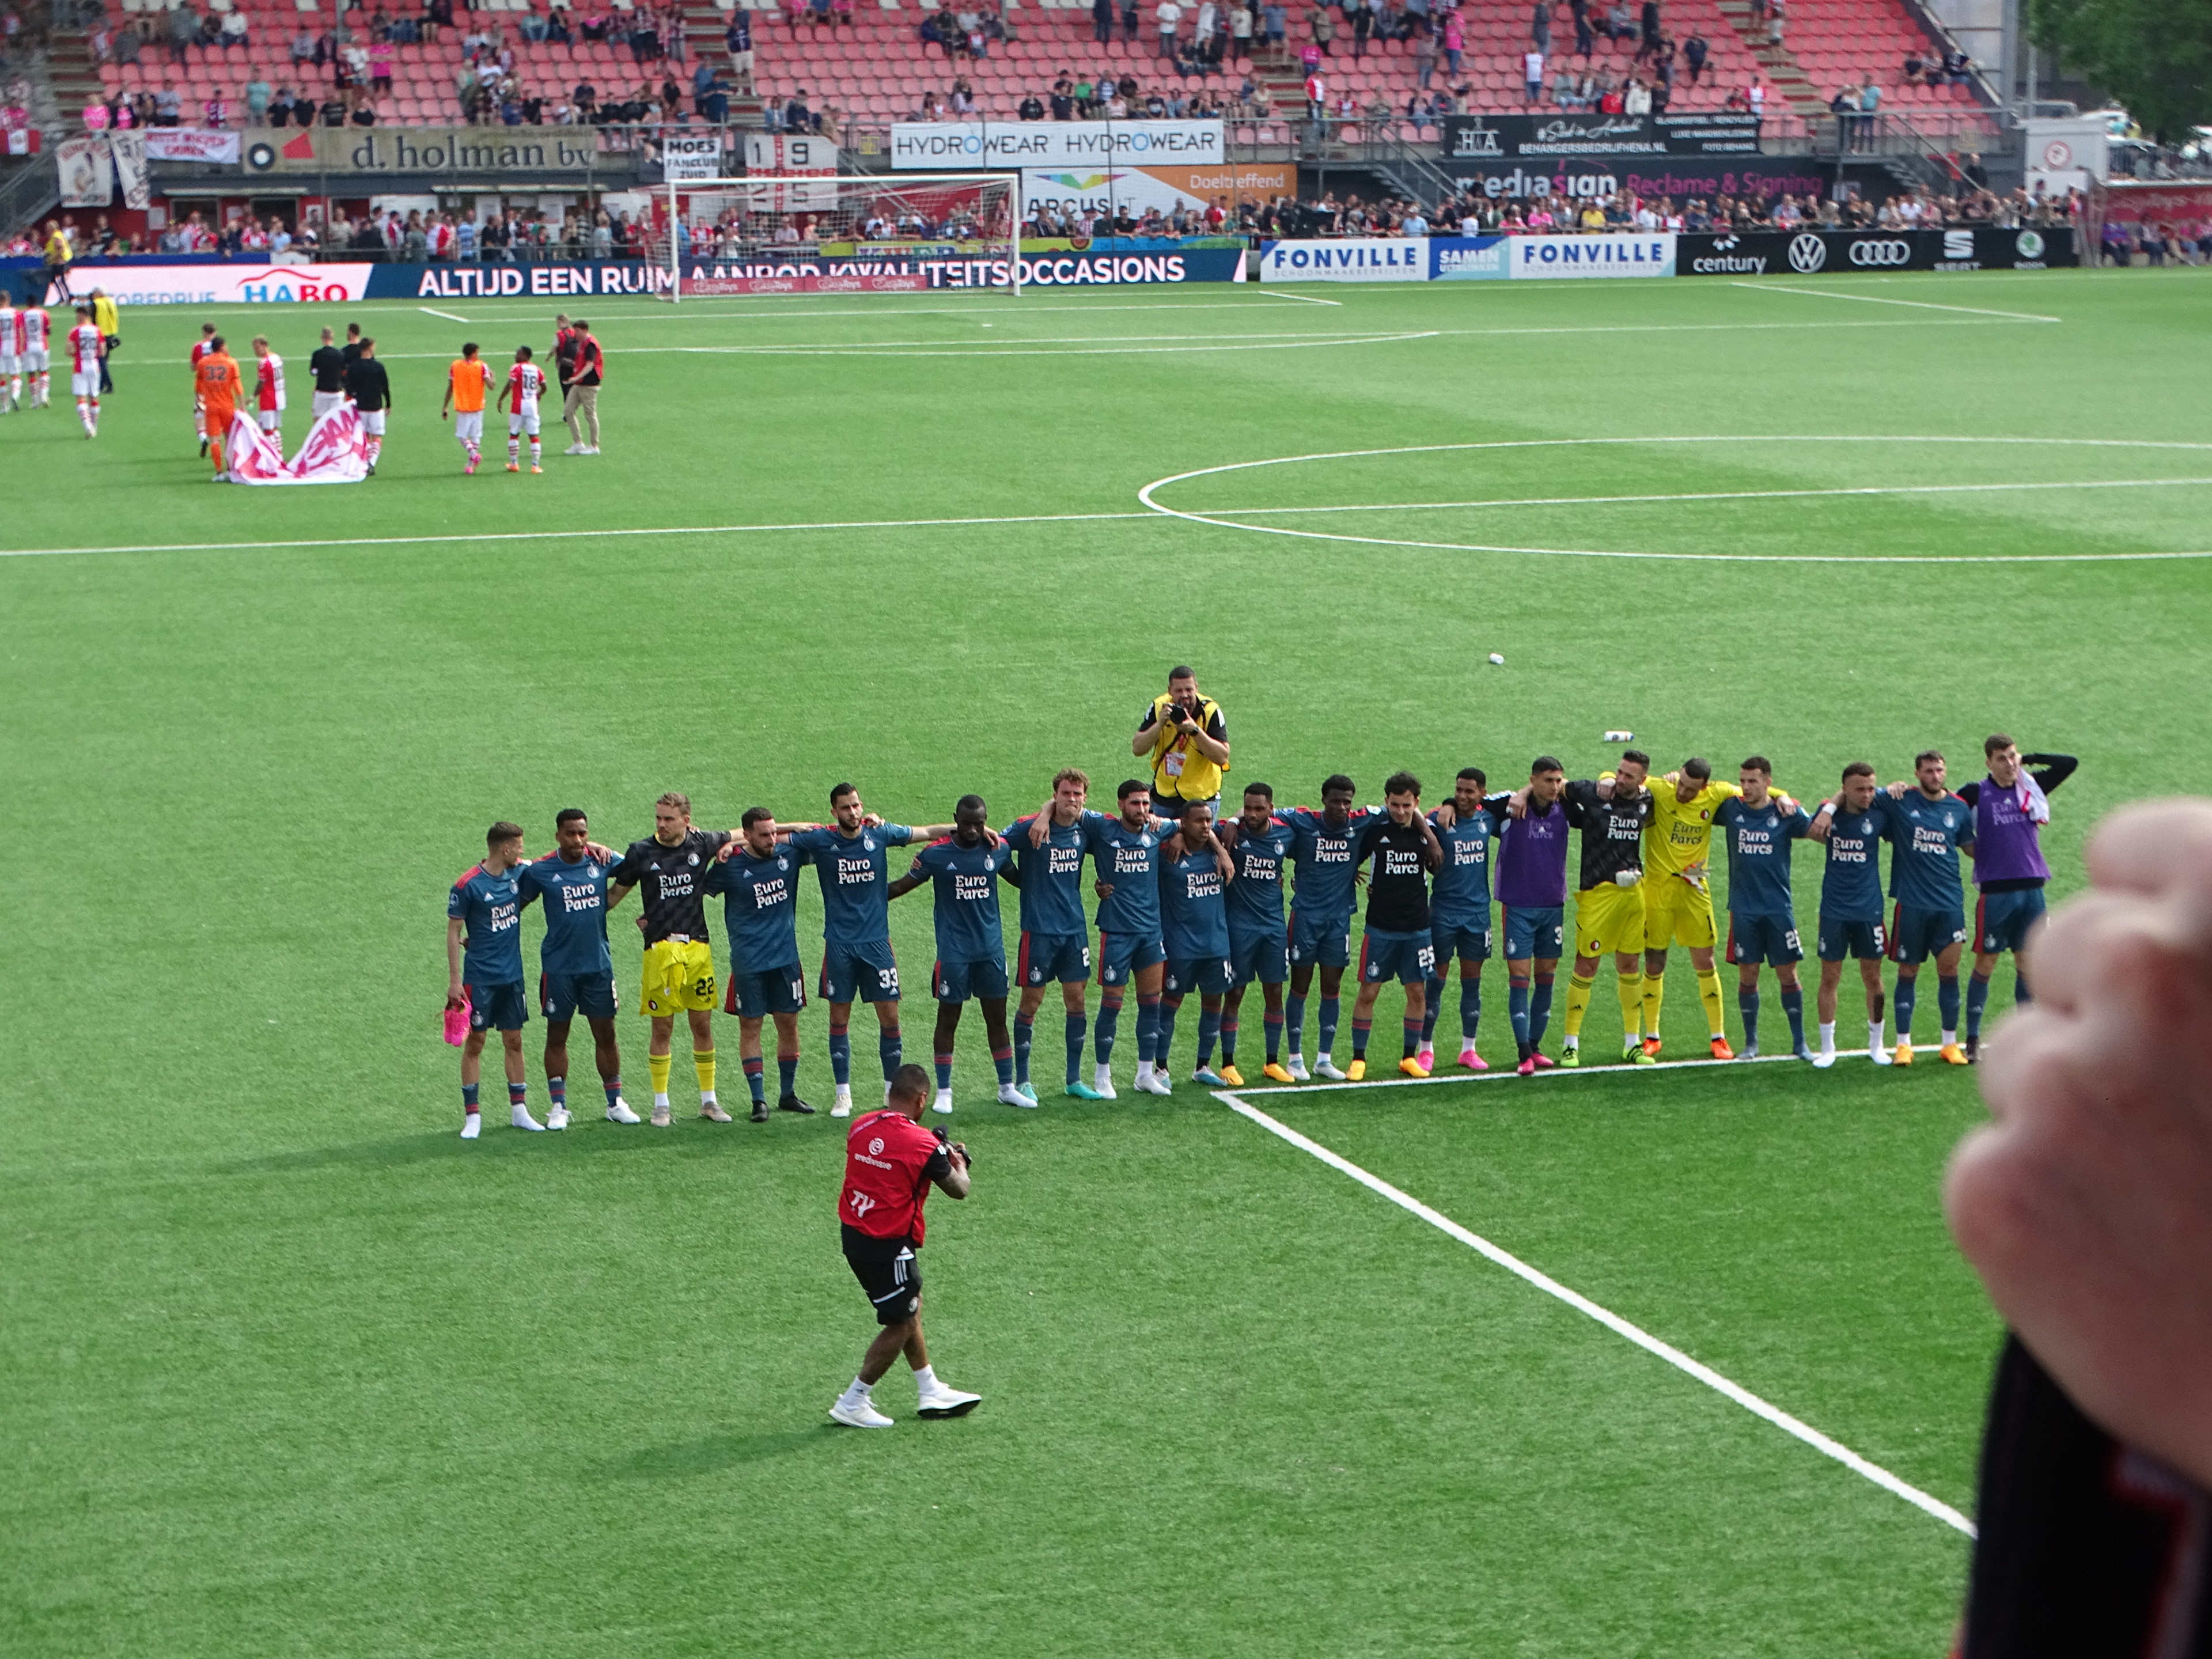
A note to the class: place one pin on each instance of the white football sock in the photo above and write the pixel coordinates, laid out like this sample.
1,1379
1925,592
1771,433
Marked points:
705,1098
660,1102
1950,1039
925,1378
857,1392
1828,1037
1874,1038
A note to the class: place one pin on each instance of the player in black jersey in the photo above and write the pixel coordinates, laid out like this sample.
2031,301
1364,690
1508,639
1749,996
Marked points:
1396,943
669,869
328,366
1612,813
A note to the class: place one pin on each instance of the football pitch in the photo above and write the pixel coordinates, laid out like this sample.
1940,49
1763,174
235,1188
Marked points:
291,1370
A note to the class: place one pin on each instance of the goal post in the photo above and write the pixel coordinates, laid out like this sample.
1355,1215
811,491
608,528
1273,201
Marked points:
840,233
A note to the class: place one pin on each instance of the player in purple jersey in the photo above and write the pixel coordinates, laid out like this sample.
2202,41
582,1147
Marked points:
1532,886
2010,806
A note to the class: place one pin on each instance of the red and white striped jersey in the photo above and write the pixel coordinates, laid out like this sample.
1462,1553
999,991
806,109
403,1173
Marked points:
32,326
11,330
84,350
270,383
200,349
524,382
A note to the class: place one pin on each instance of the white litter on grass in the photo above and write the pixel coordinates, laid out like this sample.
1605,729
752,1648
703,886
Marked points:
1620,737
1499,660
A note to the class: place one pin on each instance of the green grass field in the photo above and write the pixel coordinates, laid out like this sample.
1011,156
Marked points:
291,1370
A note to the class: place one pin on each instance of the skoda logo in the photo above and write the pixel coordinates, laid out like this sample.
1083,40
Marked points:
2030,244
1808,253
1882,253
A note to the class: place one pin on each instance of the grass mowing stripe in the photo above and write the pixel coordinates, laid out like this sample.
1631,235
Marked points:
1643,1338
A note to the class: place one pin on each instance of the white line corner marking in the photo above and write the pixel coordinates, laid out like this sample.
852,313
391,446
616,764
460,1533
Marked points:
1613,1321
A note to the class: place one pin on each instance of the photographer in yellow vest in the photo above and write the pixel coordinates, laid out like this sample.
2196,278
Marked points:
1184,736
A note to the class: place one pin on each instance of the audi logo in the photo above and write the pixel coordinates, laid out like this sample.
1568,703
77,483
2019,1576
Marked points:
1808,253
1882,253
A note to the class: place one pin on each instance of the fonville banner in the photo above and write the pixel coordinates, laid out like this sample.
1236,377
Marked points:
474,151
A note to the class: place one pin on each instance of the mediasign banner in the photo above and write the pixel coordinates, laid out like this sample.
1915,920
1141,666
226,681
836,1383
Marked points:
1594,178
982,146
1346,259
215,148
1819,252
1504,137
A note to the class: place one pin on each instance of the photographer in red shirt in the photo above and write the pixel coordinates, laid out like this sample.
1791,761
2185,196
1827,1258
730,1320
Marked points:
890,1163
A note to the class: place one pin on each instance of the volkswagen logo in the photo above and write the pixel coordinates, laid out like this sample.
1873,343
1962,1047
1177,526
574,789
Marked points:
1882,253
1808,253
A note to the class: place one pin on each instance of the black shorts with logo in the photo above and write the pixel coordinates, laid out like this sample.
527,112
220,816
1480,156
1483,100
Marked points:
889,1271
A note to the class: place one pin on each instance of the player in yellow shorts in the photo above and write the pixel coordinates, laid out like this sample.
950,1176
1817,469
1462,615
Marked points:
1613,813
1678,898
669,869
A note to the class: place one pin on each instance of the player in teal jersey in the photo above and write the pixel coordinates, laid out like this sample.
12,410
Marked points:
759,880
484,971
1055,934
1194,928
1259,844
965,868
1760,825
1459,914
576,971
1852,824
1927,831
1320,914
852,860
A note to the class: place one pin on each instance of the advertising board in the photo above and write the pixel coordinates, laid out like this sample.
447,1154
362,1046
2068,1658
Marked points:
982,146
1826,252
1346,259
1506,137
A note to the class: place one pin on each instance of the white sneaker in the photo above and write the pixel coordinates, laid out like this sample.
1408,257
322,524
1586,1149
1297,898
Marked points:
1011,1096
1825,1059
557,1118
941,1402
470,1125
573,449
520,1118
620,1112
1297,1068
943,1102
1750,1052
594,449
859,1414
842,1106
1102,1080
1154,1083
1326,1067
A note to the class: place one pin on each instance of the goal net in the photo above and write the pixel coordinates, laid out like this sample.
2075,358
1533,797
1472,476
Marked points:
840,234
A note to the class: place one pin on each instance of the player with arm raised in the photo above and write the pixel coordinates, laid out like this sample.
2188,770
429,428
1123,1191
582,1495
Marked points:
1125,853
1852,824
467,380
483,970
1760,825
851,857
1532,888
1614,815
1194,872
669,869
759,884
2010,807
1056,934
1259,937
890,1163
518,397
1320,914
1678,895
1459,911
576,972
965,868
1927,831
1396,943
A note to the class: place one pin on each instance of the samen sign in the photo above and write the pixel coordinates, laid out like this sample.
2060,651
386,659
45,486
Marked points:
475,152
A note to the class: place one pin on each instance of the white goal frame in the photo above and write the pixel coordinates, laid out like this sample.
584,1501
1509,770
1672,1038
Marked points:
848,185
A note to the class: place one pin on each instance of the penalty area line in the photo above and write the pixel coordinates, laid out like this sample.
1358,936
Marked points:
447,315
1794,1427
1878,299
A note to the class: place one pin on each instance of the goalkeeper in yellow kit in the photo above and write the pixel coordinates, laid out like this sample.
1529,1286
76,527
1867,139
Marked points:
1678,899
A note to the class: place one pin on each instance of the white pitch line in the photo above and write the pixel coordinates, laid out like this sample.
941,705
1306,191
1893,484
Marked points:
1794,1426
686,312
447,315
564,535
1049,339
992,349
1712,495
1877,299
1309,299
1506,1074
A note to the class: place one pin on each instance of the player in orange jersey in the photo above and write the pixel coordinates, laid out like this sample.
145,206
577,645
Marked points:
524,383
201,346
215,384
466,383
